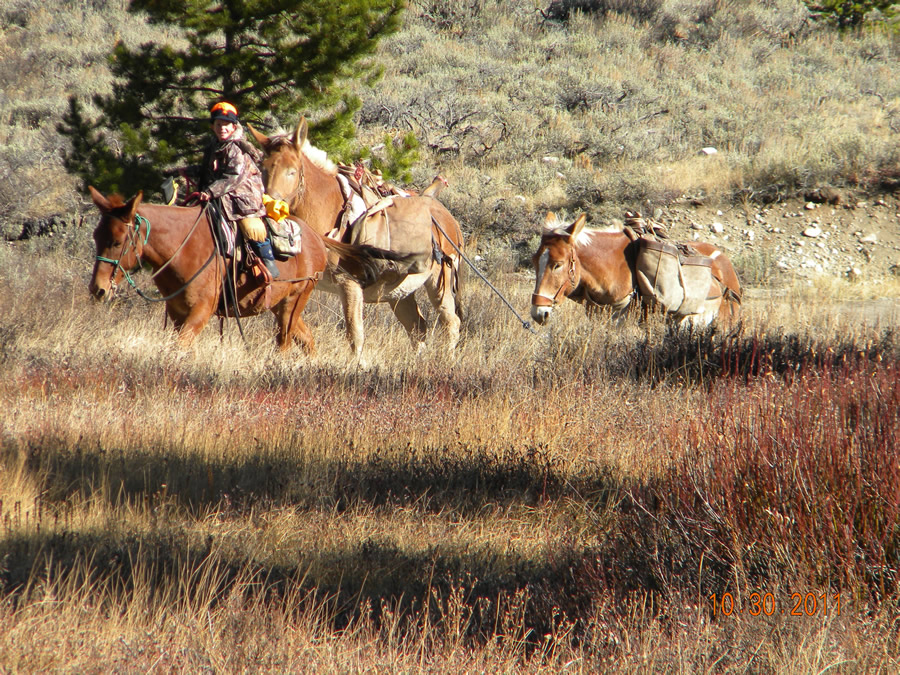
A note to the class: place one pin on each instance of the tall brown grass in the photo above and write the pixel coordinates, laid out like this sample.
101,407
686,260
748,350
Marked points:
565,500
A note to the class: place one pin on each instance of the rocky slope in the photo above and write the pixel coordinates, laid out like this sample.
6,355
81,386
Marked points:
856,236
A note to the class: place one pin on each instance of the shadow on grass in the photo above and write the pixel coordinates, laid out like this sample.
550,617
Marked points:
697,357
462,481
364,580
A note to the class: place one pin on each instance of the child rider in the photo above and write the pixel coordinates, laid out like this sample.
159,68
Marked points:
230,174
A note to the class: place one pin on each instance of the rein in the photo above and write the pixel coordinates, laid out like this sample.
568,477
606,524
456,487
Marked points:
181,246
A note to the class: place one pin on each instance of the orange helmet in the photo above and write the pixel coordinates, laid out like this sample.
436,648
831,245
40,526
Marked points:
223,111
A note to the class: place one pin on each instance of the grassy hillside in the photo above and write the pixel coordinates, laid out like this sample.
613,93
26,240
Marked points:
524,109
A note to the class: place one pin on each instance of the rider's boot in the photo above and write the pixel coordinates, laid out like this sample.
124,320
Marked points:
264,250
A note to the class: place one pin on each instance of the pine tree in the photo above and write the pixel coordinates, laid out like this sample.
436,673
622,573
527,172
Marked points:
850,13
273,59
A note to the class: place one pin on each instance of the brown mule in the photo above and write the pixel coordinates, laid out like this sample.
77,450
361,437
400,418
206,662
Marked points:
419,228
177,243
596,267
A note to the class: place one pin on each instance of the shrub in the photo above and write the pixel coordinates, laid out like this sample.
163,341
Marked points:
640,10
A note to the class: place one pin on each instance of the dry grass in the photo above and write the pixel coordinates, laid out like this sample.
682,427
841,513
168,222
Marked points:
562,501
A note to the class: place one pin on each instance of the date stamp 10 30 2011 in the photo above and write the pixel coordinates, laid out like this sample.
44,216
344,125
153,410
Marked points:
768,604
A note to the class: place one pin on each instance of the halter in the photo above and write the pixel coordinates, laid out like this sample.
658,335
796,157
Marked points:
138,221
543,301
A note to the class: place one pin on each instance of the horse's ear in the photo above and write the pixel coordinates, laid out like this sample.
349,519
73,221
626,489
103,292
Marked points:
260,138
133,204
301,132
575,228
550,221
100,201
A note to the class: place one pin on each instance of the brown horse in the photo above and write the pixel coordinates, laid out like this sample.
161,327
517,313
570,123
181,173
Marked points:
178,244
420,227
596,267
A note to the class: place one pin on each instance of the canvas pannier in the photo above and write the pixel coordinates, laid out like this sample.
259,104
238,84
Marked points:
678,278
285,236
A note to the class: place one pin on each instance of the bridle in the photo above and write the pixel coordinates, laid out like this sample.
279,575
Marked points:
134,240
138,247
569,284
301,183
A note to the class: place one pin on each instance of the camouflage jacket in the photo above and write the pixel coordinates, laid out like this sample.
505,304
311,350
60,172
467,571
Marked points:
230,173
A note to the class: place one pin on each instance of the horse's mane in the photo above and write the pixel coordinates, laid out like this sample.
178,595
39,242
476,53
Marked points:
315,155
116,200
557,227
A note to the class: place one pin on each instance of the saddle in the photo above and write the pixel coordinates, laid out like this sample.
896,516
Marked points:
364,220
366,196
674,274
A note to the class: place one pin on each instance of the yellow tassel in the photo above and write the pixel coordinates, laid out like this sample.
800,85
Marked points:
276,209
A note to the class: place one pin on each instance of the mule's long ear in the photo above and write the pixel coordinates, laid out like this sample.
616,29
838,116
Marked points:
133,203
575,228
100,201
300,133
550,221
260,138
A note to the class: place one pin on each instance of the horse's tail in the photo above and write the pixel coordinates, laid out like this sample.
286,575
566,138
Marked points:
360,260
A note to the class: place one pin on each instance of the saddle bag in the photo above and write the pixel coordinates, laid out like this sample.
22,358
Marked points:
675,276
286,237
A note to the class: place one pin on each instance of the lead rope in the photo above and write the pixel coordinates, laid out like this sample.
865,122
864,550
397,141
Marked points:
525,324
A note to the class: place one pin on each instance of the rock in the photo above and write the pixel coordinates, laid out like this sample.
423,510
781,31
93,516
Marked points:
853,273
824,195
718,227
869,239
696,226
708,151
810,206
812,231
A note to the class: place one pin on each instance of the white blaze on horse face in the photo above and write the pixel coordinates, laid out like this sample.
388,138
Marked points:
540,273
541,313
541,269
